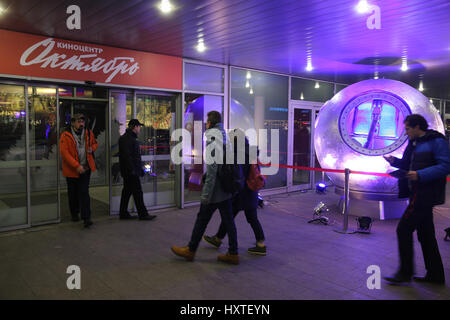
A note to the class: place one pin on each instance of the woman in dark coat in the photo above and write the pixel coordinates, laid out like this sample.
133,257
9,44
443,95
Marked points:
246,200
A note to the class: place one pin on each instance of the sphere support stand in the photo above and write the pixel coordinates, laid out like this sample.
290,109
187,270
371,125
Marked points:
345,229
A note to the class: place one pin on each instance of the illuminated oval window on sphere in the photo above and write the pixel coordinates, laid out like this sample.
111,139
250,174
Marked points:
372,123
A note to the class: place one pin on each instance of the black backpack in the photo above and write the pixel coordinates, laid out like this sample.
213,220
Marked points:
231,176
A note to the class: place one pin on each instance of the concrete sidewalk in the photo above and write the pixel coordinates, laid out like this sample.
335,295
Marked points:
133,260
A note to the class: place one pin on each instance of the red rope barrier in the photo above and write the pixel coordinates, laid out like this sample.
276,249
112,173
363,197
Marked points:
380,174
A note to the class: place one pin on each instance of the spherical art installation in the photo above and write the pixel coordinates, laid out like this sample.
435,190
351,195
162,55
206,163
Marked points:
360,125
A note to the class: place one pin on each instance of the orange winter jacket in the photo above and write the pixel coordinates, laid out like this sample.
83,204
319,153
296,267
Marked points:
69,152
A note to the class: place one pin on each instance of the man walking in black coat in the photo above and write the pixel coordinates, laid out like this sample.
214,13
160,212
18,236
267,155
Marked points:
131,170
427,162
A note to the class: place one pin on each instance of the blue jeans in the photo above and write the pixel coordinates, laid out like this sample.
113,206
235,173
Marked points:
203,218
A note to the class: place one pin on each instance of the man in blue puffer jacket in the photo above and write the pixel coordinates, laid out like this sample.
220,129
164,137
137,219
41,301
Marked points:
427,162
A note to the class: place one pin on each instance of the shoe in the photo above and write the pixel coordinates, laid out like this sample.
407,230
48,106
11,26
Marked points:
257,250
126,217
147,217
184,252
75,218
398,278
212,241
88,223
229,258
429,279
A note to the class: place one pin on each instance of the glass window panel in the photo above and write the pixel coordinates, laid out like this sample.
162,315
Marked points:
260,101
121,113
13,175
302,145
311,90
65,91
91,92
196,108
157,112
339,87
203,78
43,138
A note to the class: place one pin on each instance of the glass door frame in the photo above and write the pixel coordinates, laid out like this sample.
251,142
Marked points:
293,105
27,101
180,121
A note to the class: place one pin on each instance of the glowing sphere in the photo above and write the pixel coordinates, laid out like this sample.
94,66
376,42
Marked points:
362,123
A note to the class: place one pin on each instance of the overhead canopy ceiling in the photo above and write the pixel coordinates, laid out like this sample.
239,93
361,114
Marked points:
272,35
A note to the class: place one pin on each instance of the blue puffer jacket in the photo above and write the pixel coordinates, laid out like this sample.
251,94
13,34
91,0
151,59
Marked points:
430,157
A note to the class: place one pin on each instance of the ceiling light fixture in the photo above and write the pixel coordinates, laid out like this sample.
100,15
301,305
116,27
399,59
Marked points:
165,6
201,46
251,90
362,6
249,75
301,96
317,86
247,84
309,66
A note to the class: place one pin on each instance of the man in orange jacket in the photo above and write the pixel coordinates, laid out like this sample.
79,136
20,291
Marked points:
77,145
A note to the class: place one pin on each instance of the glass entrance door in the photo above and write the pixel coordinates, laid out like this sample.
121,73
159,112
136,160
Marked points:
96,113
13,168
301,145
157,113
43,154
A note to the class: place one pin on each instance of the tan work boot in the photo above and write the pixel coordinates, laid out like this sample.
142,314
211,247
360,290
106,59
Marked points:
229,258
183,252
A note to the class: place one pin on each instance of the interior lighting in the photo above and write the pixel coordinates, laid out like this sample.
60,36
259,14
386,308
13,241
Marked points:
309,66
165,6
251,90
301,96
317,86
362,6
247,84
249,75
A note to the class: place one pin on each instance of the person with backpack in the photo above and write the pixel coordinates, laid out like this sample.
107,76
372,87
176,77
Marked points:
216,194
246,200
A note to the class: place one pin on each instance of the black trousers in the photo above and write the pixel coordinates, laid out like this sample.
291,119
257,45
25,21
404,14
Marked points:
419,218
203,218
78,193
252,219
132,186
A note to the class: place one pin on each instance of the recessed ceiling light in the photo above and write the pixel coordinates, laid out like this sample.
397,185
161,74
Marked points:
165,6
251,91
248,75
247,84
362,6
200,46
317,86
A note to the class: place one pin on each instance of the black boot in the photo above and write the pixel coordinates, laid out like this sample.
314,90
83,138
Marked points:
88,223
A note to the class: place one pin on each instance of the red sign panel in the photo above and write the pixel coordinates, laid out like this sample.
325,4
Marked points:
37,56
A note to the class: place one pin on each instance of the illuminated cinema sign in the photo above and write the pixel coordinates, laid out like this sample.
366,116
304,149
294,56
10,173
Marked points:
35,56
